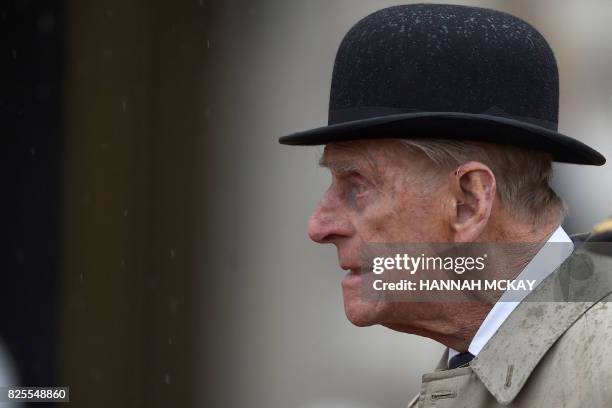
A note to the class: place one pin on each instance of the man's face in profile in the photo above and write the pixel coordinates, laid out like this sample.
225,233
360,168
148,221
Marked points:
381,192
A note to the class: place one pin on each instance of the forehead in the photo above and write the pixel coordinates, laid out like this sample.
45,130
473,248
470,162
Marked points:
374,155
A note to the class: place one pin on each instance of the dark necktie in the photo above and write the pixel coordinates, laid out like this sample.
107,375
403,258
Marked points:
460,360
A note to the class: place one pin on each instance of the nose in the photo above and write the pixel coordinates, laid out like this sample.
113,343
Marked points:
328,223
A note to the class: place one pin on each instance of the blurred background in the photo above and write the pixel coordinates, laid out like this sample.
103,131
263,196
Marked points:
156,252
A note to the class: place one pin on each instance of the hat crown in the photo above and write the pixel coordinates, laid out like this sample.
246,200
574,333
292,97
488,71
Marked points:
444,58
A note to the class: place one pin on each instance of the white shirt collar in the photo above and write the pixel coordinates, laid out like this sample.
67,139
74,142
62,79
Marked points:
546,261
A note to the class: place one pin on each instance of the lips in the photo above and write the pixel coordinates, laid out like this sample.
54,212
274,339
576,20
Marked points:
352,278
352,269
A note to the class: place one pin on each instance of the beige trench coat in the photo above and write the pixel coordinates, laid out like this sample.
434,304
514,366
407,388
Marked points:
546,354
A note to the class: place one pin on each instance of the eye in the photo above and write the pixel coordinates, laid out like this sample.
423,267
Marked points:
354,186
360,188
359,184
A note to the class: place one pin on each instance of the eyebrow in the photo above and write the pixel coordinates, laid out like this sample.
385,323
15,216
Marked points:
338,166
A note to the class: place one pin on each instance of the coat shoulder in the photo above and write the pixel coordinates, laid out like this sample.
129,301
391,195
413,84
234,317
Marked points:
593,330
583,354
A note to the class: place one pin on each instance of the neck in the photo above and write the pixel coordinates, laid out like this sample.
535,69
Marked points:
455,324
454,330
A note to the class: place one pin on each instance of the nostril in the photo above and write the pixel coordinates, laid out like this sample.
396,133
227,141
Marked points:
330,238
323,232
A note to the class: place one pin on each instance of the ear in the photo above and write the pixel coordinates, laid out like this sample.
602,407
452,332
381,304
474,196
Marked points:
473,185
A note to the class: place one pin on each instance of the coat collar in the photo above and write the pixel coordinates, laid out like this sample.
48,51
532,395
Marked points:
508,359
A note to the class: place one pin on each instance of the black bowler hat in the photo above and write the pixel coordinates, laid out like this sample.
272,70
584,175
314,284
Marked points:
447,72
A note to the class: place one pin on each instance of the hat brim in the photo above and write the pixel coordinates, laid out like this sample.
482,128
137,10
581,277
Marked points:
456,126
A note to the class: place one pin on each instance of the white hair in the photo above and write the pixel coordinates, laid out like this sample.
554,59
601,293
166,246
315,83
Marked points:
522,175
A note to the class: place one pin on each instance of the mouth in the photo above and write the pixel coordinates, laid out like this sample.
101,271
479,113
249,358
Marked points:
353,280
351,269
355,270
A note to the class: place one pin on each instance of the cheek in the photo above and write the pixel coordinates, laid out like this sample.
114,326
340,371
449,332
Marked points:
378,220
401,218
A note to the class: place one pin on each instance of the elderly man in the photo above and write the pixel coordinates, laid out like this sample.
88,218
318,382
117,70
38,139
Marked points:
442,129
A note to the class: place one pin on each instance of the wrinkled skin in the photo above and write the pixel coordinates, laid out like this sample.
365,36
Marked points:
383,192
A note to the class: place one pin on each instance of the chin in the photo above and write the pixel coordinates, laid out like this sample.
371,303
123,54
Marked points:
362,314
